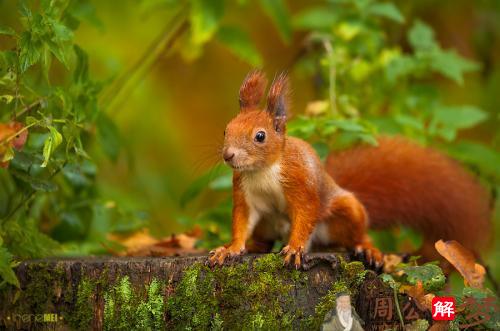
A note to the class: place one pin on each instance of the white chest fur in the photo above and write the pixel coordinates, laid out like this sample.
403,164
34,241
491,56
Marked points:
264,191
266,200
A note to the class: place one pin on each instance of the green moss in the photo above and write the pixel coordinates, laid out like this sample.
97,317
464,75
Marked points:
81,315
240,296
193,304
262,299
150,313
43,283
235,297
127,308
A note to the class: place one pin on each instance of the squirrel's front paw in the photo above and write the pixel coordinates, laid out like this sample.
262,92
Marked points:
223,253
293,256
370,256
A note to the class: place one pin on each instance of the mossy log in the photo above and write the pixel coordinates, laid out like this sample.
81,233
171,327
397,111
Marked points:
152,293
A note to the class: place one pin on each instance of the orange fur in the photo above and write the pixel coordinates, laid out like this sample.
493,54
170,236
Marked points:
252,90
282,179
281,191
400,182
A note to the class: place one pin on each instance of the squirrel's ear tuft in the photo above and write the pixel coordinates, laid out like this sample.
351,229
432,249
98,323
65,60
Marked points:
252,90
277,101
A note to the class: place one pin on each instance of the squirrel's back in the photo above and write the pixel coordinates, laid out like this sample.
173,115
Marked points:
400,182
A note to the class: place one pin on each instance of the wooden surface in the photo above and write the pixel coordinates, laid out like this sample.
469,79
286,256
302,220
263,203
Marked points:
51,290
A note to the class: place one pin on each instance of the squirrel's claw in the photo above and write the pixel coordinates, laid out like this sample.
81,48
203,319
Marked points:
223,254
293,257
370,256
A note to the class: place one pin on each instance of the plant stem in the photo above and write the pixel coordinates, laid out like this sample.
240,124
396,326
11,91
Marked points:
29,197
398,309
162,44
332,75
29,107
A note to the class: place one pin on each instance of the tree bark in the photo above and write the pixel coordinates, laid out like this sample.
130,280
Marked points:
108,293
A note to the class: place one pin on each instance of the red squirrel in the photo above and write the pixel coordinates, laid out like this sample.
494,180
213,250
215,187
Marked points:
282,191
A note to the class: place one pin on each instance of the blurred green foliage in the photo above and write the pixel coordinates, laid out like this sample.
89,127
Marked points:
102,148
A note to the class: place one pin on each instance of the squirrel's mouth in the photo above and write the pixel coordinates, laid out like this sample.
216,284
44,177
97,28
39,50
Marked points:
240,167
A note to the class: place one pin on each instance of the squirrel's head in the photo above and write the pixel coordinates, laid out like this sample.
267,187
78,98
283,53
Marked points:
255,138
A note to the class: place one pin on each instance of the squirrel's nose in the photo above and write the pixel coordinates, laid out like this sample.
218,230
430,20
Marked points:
228,155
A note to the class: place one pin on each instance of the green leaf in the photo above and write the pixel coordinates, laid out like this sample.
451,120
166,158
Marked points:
481,156
430,275
302,127
400,66
205,16
452,65
201,183
83,10
346,125
71,226
349,30
7,275
222,183
38,184
240,44
278,12
59,52
53,140
389,280
61,32
8,31
319,18
30,51
322,149
387,10
8,154
81,73
6,98
75,174
446,120
24,239
410,122
109,136
421,37
24,160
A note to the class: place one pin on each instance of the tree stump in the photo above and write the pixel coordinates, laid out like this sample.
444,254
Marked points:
151,293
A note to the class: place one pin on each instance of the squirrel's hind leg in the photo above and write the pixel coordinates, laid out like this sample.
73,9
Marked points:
347,223
263,238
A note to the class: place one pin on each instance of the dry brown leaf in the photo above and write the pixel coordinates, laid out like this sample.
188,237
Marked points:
12,135
390,262
135,240
440,326
141,243
463,260
418,293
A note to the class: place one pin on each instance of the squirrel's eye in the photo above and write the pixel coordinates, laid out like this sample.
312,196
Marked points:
260,136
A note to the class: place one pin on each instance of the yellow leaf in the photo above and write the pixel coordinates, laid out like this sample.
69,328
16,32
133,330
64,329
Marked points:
463,260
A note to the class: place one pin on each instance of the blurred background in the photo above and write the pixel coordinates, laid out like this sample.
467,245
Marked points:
124,128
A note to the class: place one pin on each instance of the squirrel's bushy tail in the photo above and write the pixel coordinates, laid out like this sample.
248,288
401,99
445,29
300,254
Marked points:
400,182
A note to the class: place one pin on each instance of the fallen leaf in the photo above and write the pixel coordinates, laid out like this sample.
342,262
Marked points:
141,243
12,136
417,291
463,260
390,262
440,326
